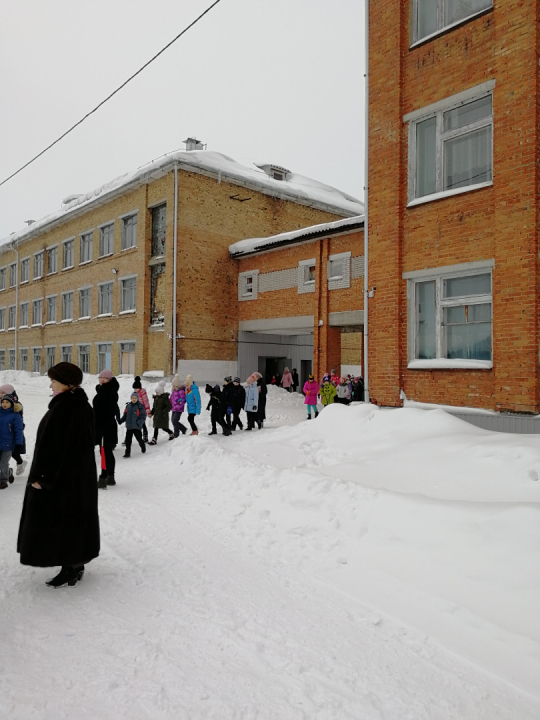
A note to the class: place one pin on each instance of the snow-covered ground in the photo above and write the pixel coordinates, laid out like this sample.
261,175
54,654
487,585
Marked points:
367,565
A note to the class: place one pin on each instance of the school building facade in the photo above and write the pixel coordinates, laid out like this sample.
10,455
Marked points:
453,211
136,276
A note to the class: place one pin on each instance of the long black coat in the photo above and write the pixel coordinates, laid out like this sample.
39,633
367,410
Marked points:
107,413
239,398
59,523
227,398
160,411
261,412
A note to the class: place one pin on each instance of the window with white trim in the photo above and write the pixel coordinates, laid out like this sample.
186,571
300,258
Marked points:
50,357
84,358
306,275
106,240
105,299
129,232
38,265
248,285
23,316
128,299
66,353
68,254
2,278
338,271
25,270
37,312
451,148
452,316
67,306
2,318
127,358
104,356
12,317
23,359
12,275
433,16
52,260
2,359
36,360
51,309
86,247
11,358
85,306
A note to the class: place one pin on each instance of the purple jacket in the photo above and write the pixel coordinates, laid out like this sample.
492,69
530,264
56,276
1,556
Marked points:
310,391
178,400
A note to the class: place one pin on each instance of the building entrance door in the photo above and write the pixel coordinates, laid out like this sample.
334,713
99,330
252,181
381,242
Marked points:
306,369
270,367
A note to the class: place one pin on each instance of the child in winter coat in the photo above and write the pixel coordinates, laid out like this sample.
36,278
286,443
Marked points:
226,405
238,404
343,393
134,417
11,435
311,390
213,405
193,402
160,412
327,391
20,449
178,402
251,405
143,397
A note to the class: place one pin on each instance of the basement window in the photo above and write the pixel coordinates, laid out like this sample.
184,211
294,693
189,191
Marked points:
434,16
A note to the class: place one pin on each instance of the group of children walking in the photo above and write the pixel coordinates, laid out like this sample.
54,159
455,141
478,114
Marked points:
333,389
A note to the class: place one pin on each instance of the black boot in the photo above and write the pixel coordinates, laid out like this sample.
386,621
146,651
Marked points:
102,482
67,576
111,480
126,454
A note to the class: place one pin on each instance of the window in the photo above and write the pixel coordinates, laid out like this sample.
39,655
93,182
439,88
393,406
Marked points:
159,217
309,273
432,16
25,270
338,271
65,353
335,269
2,278
50,358
12,275
52,260
2,359
157,294
306,275
23,359
104,356
105,299
248,285
129,294
86,247
11,358
51,309
84,358
24,315
452,317
129,232
85,308
452,148
67,306
127,358
37,312
38,265
36,360
2,318
68,254
12,317
106,240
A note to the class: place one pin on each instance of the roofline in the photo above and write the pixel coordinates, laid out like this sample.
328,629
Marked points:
299,239
156,174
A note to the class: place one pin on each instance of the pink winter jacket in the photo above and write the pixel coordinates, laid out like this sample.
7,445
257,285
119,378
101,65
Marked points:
286,380
143,397
311,388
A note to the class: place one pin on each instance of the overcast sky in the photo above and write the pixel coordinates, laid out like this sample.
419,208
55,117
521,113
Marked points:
277,81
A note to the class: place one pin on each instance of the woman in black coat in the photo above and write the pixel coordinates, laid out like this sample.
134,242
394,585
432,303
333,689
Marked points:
107,414
59,523
261,412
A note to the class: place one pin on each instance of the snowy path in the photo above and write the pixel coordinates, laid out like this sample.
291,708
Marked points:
202,606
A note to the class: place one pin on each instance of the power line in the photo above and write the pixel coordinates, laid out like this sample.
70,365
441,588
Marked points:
113,93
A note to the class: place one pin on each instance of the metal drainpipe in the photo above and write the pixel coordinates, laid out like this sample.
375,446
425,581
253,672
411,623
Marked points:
16,299
366,203
175,266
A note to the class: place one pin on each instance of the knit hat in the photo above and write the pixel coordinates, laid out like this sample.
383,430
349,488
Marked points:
189,381
107,374
67,374
9,398
176,382
237,379
326,378
137,384
160,388
7,388
228,379
134,394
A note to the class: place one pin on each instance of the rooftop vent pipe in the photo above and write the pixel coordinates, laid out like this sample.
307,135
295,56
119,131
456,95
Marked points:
193,144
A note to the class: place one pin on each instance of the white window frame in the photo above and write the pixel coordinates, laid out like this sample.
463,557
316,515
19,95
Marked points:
125,220
37,256
80,346
109,345
49,320
24,304
441,27
304,285
25,264
64,295
89,314
338,282
21,351
49,251
12,358
86,242
3,278
48,348
64,248
123,308
437,110
12,321
2,359
64,355
244,292
102,229
34,350
12,275
100,286
439,275
3,314
40,323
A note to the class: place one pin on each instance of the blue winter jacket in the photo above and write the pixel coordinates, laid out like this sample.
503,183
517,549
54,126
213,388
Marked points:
11,430
193,400
252,398
134,415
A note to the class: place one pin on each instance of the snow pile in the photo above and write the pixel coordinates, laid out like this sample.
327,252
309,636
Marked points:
368,564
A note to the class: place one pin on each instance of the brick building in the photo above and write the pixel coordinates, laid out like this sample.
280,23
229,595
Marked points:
300,297
94,283
454,202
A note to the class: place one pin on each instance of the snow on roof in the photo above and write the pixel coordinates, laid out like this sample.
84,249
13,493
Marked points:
296,188
251,245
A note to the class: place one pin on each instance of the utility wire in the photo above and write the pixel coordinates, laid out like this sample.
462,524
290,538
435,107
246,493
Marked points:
113,93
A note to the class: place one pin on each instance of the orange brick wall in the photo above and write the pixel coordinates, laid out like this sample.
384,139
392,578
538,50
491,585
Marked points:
499,222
